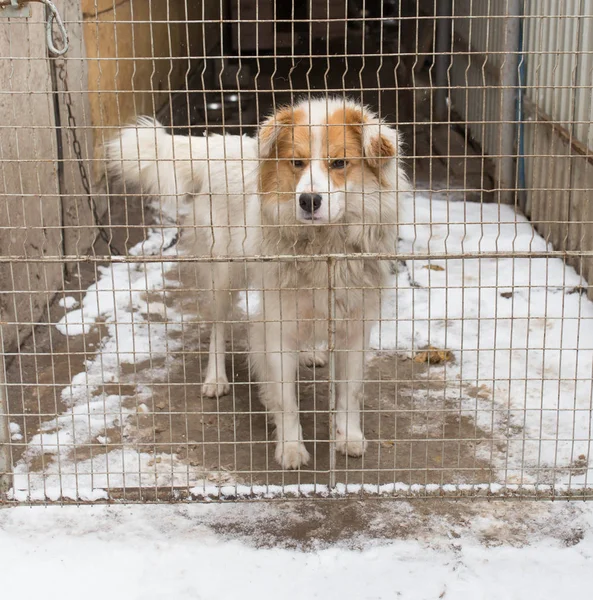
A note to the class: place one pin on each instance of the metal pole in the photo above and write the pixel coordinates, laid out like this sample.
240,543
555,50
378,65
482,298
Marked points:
443,57
331,345
509,80
5,454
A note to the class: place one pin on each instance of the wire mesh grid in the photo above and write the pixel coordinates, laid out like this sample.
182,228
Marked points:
158,294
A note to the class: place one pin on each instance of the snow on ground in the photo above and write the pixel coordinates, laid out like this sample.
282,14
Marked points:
517,328
68,302
15,432
118,298
212,552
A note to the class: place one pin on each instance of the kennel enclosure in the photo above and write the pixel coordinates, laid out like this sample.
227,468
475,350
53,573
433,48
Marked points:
479,379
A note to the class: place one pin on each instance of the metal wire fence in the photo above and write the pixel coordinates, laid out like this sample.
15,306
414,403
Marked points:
220,301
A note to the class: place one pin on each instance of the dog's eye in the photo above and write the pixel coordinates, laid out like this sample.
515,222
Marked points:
298,164
338,164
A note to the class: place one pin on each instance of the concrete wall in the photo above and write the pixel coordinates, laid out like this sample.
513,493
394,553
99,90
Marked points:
77,217
30,203
124,59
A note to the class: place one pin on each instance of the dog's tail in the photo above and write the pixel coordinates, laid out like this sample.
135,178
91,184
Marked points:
146,160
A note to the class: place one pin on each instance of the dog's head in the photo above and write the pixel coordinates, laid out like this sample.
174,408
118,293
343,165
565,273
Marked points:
327,161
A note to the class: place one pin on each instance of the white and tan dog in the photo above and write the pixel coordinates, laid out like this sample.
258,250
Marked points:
323,177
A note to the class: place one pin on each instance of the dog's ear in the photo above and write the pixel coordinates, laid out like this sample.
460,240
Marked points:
272,128
380,142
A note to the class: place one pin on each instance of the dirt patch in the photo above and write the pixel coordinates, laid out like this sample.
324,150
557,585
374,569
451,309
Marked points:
411,440
415,433
312,525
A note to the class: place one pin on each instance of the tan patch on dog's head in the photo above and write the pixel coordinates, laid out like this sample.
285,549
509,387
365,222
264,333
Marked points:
284,138
363,133
344,141
344,133
353,147
274,127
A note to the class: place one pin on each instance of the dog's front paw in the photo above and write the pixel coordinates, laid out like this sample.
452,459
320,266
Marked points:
291,455
354,445
216,386
316,358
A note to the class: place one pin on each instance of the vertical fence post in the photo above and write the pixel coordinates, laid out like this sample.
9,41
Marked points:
509,81
5,455
443,57
331,345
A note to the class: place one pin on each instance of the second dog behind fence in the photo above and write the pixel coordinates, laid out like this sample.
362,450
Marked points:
322,178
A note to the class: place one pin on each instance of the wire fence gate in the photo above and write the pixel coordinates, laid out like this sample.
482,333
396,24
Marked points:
156,293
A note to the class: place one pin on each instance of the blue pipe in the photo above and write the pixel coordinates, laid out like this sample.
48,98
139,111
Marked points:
520,112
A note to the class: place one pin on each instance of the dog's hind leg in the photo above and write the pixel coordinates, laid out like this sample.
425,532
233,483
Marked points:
216,382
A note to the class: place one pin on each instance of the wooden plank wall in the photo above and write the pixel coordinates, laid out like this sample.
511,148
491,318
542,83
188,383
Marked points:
137,52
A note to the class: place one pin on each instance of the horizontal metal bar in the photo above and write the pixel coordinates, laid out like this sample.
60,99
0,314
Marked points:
296,257
343,491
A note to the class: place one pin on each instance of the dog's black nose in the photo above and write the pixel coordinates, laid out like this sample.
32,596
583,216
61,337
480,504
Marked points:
310,202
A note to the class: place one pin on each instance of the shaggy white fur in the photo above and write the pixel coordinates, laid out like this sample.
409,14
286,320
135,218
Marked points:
322,178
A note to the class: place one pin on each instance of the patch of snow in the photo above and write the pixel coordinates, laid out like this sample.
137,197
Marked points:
89,479
73,323
119,299
518,328
15,432
68,302
185,552
530,345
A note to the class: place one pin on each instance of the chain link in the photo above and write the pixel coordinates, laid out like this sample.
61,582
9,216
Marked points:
76,146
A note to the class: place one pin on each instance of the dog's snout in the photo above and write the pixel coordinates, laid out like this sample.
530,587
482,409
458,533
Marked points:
310,202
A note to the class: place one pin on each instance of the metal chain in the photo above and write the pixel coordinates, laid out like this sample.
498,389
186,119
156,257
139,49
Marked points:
62,75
